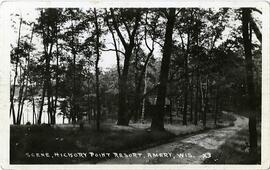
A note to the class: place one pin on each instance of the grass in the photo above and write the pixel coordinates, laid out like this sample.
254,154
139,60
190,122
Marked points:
27,139
45,139
236,150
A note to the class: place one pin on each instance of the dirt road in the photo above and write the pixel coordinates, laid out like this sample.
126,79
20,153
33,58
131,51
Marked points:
191,150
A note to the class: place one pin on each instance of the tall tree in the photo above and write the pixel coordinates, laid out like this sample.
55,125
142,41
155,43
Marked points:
133,16
157,118
97,45
17,59
28,48
75,26
142,60
47,27
247,34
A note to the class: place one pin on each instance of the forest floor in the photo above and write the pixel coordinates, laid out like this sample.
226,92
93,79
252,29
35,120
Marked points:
68,144
218,146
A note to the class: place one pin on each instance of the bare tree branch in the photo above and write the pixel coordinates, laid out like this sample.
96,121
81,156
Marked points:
136,25
182,40
257,10
178,12
161,45
126,26
145,40
256,29
115,46
164,10
117,29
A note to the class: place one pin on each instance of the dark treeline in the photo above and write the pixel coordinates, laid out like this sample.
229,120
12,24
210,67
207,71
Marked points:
202,68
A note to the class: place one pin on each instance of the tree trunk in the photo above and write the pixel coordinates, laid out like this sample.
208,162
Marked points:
144,92
216,106
33,101
48,83
256,29
137,103
47,75
57,80
97,70
123,117
73,106
42,103
191,98
24,96
157,117
205,110
27,75
34,111
186,82
115,46
170,111
196,98
142,76
20,98
12,111
246,17
201,99
89,101
53,111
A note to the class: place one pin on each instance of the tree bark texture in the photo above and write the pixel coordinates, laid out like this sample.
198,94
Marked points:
157,117
246,18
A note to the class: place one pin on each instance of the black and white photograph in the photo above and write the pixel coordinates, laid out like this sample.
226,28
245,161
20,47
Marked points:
136,85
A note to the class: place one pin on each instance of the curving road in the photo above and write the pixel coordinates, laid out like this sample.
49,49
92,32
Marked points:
191,150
